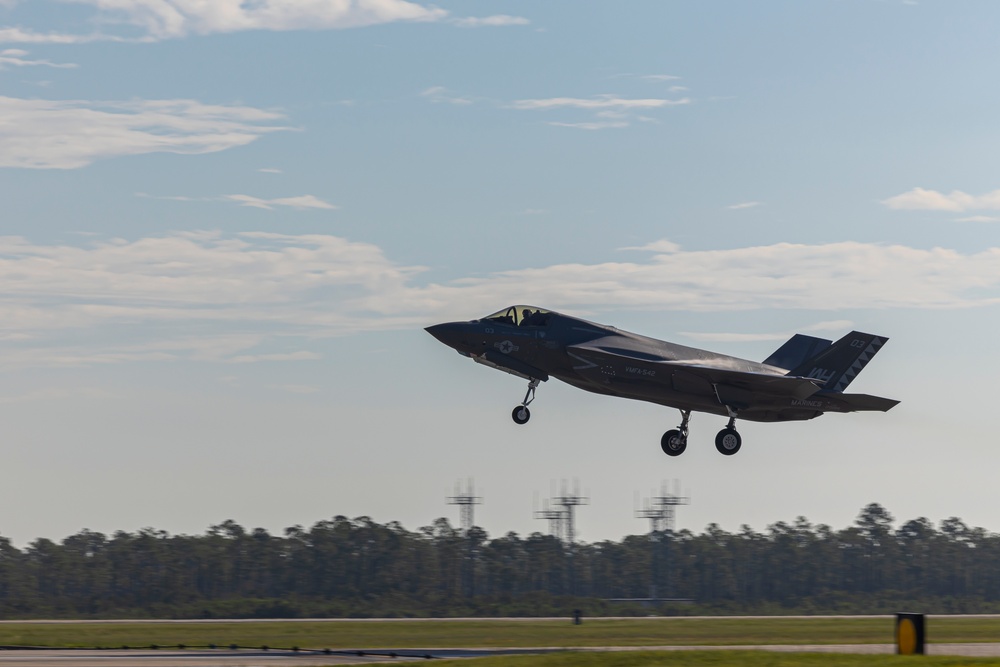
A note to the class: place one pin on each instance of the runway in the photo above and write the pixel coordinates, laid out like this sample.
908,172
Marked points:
239,657
173,658
224,657
989,650
257,658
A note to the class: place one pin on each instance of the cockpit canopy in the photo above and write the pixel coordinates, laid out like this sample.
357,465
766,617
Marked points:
520,316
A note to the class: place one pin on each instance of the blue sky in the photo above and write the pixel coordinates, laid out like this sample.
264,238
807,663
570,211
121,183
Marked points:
225,225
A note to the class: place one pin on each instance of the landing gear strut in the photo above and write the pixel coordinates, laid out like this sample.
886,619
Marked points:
728,441
675,441
521,414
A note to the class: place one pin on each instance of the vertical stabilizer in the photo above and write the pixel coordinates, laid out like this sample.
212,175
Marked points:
796,350
838,365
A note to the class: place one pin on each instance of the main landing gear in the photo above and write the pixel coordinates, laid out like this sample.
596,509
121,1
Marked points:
728,441
521,414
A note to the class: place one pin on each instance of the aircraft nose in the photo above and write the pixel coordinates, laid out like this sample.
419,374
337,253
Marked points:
451,334
457,335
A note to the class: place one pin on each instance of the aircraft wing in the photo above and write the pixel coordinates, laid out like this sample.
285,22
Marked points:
723,378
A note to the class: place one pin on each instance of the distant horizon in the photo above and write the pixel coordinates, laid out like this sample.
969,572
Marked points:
896,524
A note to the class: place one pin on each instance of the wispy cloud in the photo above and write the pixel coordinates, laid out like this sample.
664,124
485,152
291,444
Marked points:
17,35
47,134
608,111
491,21
834,326
592,125
742,205
606,101
604,111
300,202
932,200
646,77
18,58
171,19
171,198
978,218
157,20
661,247
442,94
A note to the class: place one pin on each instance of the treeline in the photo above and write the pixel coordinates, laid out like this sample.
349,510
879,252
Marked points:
357,567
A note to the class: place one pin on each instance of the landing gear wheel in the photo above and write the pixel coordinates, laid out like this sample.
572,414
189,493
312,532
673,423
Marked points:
673,443
521,415
728,441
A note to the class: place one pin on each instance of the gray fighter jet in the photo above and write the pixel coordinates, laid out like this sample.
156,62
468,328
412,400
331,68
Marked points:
804,378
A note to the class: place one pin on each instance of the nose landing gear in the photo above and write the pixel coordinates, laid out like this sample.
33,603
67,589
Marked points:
675,441
521,414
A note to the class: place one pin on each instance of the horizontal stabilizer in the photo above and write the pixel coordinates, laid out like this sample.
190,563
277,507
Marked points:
796,350
865,403
836,366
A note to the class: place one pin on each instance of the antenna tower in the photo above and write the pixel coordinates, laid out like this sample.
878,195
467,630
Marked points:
555,518
660,512
562,524
568,501
467,501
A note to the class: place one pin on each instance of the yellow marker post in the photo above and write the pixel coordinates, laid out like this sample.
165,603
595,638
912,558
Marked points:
910,634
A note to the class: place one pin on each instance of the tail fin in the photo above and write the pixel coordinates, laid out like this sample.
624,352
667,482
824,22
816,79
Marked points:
839,364
796,350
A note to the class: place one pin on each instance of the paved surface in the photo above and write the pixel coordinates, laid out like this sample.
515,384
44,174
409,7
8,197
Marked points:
973,650
237,658
244,658
160,658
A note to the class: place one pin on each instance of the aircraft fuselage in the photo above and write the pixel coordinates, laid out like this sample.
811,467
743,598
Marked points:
536,344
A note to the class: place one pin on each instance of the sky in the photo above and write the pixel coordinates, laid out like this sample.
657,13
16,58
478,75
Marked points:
224,226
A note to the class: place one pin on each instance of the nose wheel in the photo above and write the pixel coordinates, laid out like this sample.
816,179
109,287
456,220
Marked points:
521,414
675,441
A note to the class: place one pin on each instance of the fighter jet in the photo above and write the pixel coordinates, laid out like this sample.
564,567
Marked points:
803,379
